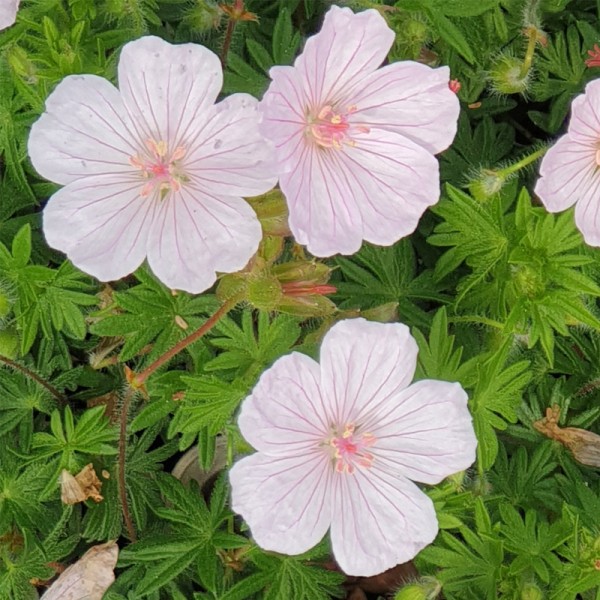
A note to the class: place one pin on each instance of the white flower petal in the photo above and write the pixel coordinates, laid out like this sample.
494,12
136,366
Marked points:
228,155
195,234
426,433
379,520
84,131
286,501
168,89
587,211
348,47
392,181
323,215
584,126
363,364
101,223
286,412
8,12
411,99
568,173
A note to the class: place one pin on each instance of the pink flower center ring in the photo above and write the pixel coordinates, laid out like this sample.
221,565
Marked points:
330,129
161,167
350,450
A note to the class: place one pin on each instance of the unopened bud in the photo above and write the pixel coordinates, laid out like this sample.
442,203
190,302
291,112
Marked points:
203,15
272,212
384,313
306,306
231,286
263,291
21,65
530,591
5,305
487,184
506,75
528,281
9,343
583,445
306,272
427,588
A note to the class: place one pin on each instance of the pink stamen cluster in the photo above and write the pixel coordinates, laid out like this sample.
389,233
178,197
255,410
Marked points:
350,450
160,167
330,129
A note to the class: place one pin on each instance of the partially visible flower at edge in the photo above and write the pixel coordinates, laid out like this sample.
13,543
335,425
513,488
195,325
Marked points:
154,169
570,169
8,12
340,443
356,144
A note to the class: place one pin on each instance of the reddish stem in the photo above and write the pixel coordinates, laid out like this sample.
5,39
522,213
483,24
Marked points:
15,365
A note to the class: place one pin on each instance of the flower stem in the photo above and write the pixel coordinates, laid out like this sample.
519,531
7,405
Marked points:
532,34
15,365
227,42
138,380
521,164
122,461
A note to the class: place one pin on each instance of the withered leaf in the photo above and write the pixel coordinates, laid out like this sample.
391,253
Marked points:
583,445
84,485
89,577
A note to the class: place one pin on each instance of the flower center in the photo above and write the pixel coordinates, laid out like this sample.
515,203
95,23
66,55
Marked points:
350,449
160,168
330,128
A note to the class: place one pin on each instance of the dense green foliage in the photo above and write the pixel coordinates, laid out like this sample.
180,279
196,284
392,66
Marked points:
501,296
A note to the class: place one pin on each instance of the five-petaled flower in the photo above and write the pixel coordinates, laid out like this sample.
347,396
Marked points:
339,443
8,12
154,169
570,170
356,144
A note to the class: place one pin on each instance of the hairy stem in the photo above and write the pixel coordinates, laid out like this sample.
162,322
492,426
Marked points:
227,42
15,365
138,380
122,461
532,35
524,162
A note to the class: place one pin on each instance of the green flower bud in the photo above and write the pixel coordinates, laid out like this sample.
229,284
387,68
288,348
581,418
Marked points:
263,291
9,342
272,212
21,65
506,76
5,305
487,184
528,281
427,588
306,306
307,272
384,313
203,15
231,286
530,591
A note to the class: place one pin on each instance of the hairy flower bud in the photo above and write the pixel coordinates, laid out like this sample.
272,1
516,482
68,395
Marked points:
487,184
263,291
530,591
507,77
272,212
427,588
9,342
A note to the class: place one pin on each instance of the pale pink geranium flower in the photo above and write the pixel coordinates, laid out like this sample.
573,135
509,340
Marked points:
355,143
570,170
153,169
8,12
340,441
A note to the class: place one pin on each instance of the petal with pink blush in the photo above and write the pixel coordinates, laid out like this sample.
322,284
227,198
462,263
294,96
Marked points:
228,155
364,364
587,212
568,173
195,234
101,223
286,411
380,519
323,215
286,501
8,12
425,432
168,89
392,181
348,47
84,131
411,99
